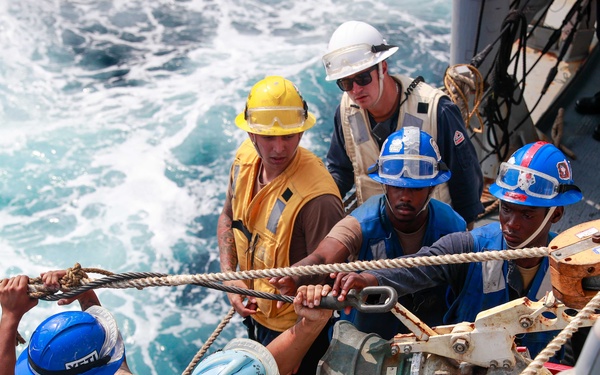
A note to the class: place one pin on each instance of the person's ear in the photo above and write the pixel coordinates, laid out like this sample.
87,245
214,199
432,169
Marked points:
557,215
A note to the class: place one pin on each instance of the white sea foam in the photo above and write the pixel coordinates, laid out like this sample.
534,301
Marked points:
116,136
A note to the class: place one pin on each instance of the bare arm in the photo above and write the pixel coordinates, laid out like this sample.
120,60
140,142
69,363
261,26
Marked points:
329,251
289,348
86,300
228,259
227,252
15,303
334,248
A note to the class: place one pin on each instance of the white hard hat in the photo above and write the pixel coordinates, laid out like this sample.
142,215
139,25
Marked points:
353,47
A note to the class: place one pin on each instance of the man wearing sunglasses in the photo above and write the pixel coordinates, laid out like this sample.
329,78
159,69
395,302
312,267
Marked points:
275,212
375,104
398,222
533,187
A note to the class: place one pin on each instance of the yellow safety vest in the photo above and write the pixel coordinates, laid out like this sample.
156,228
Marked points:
263,225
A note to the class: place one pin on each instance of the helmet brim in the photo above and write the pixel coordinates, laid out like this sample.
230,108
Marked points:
412,183
22,366
519,197
241,123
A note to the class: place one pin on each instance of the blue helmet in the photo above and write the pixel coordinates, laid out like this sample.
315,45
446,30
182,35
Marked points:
537,174
240,357
74,342
409,159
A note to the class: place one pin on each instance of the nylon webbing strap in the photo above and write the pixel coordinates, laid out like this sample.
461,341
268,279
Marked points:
237,224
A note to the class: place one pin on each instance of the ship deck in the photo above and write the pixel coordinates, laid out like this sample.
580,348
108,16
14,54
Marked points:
577,137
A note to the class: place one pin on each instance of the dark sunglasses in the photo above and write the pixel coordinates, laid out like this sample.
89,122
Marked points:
362,79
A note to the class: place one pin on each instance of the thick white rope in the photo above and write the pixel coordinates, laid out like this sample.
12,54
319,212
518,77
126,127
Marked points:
406,262
553,346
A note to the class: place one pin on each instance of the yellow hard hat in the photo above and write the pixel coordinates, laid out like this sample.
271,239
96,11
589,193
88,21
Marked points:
275,107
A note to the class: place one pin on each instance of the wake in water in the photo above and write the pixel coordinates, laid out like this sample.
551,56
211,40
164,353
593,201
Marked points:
116,136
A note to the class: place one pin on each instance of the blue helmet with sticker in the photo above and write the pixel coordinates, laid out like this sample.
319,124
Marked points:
538,174
409,158
240,357
74,342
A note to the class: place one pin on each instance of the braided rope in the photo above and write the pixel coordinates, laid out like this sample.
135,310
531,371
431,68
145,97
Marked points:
208,343
458,86
72,278
536,365
336,267
141,280
76,277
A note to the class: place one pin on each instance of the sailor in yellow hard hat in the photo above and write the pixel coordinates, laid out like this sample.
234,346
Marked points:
281,202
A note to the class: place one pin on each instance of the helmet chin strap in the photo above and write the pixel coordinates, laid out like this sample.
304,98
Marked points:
255,146
380,79
537,231
387,201
424,206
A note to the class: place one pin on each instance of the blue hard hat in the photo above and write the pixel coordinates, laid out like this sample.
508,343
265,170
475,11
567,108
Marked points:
538,174
240,357
409,158
74,342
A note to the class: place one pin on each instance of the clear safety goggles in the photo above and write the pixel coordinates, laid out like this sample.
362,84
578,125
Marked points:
534,183
418,167
353,57
264,118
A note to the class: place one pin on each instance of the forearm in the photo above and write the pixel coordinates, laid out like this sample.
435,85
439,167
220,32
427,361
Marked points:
312,259
88,299
8,339
329,251
226,242
289,348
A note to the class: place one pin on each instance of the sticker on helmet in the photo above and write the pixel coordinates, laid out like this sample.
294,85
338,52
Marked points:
92,357
459,138
526,180
396,145
516,196
563,170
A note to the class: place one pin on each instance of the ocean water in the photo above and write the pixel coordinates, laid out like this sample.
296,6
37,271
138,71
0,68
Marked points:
117,133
